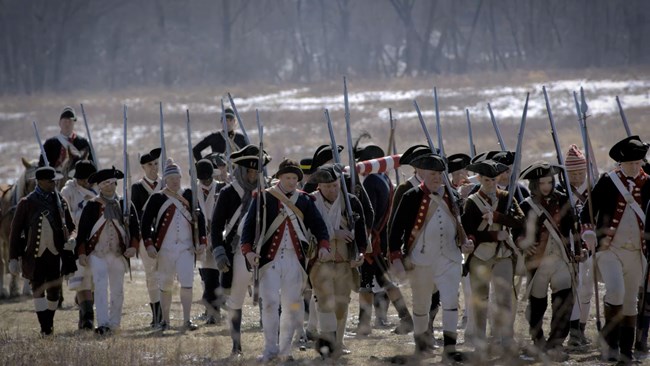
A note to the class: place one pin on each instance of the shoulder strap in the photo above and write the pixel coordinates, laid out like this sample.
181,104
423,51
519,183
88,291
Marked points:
627,195
277,194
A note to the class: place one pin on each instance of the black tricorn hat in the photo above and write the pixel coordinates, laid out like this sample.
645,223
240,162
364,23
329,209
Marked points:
429,162
83,169
305,165
289,166
47,173
503,157
204,169
369,152
540,169
487,168
104,174
629,149
322,155
457,162
217,159
413,152
68,112
327,173
150,156
248,157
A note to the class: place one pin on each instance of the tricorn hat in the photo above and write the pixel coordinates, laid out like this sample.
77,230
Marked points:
457,162
47,173
104,174
369,152
540,169
305,165
248,157
322,155
487,168
204,169
629,149
150,156
289,166
83,169
429,162
413,152
327,173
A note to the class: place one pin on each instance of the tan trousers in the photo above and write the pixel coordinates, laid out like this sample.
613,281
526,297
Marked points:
332,284
622,272
499,273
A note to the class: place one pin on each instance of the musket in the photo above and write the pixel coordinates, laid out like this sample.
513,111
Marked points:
392,145
582,119
424,126
623,118
352,249
353,174
59,205
239,120
163,150
455,205
226,138
258,208
472,147
514,174
497,130
90,139
193,185
126,212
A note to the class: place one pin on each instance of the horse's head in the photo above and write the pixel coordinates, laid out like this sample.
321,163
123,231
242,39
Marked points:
26,181
68,165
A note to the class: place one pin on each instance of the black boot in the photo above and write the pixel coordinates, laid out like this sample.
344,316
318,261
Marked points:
45,322
451,354
433,310
325,344
611,331
86,315
536,310
562,305
405,320
626,340
235,331
641,343
365,310
422,343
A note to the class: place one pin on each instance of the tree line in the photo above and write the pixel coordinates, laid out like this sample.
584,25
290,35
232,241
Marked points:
53,46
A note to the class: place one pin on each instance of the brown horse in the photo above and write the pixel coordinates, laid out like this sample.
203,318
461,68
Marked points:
9,197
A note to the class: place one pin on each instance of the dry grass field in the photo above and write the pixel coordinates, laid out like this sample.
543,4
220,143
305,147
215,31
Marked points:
294,124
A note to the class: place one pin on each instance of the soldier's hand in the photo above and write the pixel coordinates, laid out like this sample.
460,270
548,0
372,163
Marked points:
14,267
343,235
357,262
467,247
152,252
83,260
130,252
70,245
253,259
325,255
200,249
530,250
223,263
582,256
397,268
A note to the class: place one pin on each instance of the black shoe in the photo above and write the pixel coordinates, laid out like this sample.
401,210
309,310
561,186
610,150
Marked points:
236,350
190,325
455,356
162,326
102,330
211,320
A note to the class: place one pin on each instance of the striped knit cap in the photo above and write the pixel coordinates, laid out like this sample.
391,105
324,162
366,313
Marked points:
171,168
575,159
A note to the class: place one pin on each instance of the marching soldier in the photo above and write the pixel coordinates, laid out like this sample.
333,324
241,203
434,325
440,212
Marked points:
424,241
576,166
546,243
459,177
207,196
282,259
77,192
140,192
334,280
67,144
217,140
38,240
105,244
486,222
231,206
616,237
167,233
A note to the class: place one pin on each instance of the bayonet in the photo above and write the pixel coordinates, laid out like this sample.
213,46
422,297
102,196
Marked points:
90,139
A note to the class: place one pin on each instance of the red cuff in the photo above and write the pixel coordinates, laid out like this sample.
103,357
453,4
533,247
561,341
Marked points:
472,238
324,244
135,243
81,250
246,248
203,240
395,255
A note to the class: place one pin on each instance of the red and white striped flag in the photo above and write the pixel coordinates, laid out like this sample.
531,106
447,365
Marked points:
379,165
